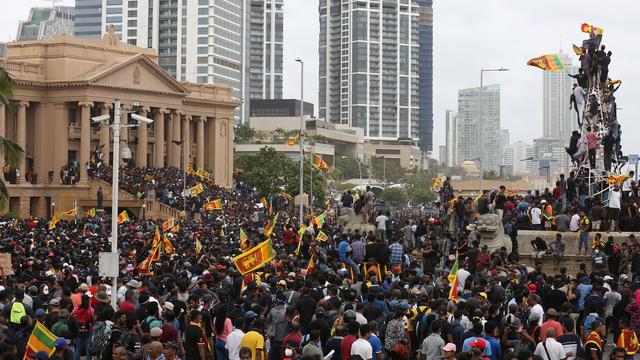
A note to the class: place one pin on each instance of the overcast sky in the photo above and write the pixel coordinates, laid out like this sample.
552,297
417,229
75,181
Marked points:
470,35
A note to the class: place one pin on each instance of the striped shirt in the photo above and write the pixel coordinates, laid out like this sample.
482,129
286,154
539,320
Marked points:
395,254
358,249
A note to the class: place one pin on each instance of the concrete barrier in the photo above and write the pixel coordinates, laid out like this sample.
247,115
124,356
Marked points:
571,239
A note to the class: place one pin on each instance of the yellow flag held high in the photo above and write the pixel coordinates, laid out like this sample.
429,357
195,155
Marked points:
212,205
190,171
168,225
268,229
55,219
198,246
322,236
166,245
321,164
156,239
122,217
291,141
221,232
90,213
244,240
197,189
254,258
175,229
202,174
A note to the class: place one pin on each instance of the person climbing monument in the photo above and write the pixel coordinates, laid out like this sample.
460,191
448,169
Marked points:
578,99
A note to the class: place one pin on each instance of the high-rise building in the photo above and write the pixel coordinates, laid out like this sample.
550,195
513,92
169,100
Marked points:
550,152
442,155
425,83
233,42
451,137
45,23
478,126
559,120
369,66
517,156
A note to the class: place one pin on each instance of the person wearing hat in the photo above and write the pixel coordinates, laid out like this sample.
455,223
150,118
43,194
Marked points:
551,322
41,355
171,350
62,351
52,316
103,309
76,298
449,351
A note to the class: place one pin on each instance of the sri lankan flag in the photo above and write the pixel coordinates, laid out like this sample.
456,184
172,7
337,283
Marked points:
90,213
547,214
190,171
617,179
453,281
167,225
202,174
55,219
319,220
291,141
299,238
322,236
145,265
196,190
310,266
577,49
71,212
321,164
122,217
166,245
244,241
268,229
255,257
551,62
586,28
156,239
212,205
41,339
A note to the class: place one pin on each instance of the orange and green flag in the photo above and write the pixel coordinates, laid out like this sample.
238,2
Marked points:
321,164
310,266
299,236
322,236
577,49
41,339
268,229
90,213
550,62
255,257
453,280
319,220
586,28
122,217
244,240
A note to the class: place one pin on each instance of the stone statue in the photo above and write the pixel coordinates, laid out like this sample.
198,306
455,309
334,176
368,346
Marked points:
349,220
110,36
492,232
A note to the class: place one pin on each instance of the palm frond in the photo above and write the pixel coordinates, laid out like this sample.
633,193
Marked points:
12,151
7,85
4,197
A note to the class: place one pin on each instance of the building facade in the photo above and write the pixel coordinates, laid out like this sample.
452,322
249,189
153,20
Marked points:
559,120
369,66
47,23
64,82
518,157
279,108
233,42
425,84
478,126
549,156
451,123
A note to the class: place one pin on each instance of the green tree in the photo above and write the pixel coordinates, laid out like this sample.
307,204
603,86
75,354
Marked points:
266,171
386,168
244,133
292,180
349,167
395,196
491,175
9,149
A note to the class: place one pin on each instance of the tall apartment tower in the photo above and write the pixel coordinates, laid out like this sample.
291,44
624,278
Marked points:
234,42
369,66
425,84
559,120
451,137
478,130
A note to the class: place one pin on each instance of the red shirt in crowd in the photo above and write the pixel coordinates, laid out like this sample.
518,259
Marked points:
345,347
127,307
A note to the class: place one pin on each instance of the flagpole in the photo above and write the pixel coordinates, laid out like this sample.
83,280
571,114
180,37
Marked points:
301,138
114,196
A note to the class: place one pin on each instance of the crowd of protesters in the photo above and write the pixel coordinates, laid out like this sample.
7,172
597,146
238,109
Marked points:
385,294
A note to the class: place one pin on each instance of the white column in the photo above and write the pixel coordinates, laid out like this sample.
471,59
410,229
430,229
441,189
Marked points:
85,140
21,133
141,149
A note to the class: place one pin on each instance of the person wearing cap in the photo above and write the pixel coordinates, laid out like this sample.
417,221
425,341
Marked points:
551,322
550,349
171,350
76,298
449,351
62,351
52,316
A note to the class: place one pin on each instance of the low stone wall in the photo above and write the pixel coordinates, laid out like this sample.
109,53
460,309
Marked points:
571,239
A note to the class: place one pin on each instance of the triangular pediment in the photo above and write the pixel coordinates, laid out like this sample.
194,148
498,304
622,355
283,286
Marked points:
138,73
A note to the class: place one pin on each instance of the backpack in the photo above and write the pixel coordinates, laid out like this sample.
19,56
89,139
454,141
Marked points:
99,338
382,321
146,324
60,329
125,340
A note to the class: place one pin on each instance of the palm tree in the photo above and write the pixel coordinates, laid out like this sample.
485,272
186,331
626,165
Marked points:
8,148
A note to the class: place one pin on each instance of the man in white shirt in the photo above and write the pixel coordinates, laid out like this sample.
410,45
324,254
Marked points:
550,349
382,226
235,339
613,210
362,348
537,312
536,220
574,224
463,274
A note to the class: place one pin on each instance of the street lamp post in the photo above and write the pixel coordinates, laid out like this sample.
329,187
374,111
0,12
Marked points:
116,126
184,176
301,137
481,122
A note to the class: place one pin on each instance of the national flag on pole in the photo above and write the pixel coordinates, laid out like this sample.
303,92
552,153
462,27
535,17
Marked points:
201,173
212,205
190,171
547,213
196,190
122,217
550,62
453,281
319,220
268,229
617,179
168,225
321,164
71,212
166,245
244,241
175,229
586,28
156,239
255,257
322,236
55,219
198,247
41,339
299,238
310,266
145,265
90,213
577,49
291,141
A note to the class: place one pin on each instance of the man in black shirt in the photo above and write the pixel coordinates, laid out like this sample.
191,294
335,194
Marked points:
194,338
347,199
306,307
499,201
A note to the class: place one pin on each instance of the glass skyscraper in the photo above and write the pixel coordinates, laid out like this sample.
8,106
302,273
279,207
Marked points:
369,66
234,42
425,84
